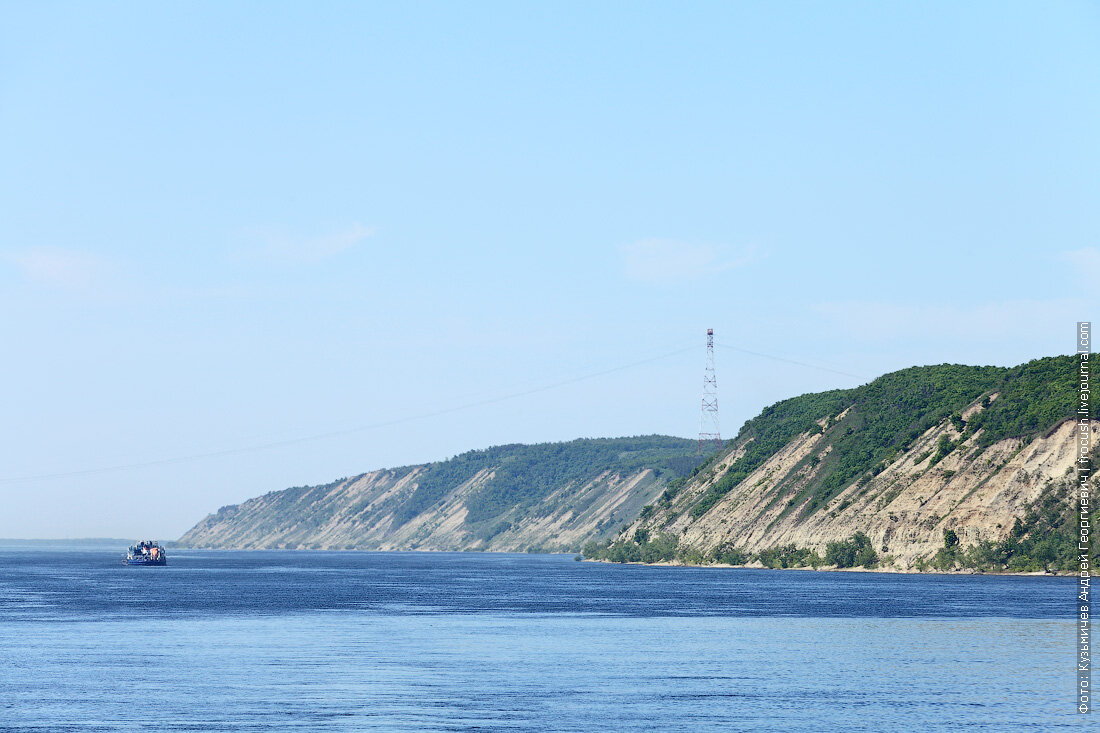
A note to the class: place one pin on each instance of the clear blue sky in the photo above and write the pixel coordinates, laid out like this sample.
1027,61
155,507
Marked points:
227,225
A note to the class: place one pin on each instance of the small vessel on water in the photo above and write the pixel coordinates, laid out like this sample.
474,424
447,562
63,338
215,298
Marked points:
146,552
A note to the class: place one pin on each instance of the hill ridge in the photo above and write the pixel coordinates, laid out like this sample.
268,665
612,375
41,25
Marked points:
544,496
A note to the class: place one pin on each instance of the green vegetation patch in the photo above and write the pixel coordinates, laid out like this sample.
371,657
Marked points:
664,547
852,552
1032,401
790,556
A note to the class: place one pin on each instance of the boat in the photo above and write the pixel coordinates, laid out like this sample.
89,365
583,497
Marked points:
146,552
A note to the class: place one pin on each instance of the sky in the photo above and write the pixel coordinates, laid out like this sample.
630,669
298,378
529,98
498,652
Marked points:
246,246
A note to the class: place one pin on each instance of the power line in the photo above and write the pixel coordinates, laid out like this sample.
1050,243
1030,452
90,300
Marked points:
339,433
792,361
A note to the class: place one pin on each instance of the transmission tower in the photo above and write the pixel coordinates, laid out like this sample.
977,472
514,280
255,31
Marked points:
709,431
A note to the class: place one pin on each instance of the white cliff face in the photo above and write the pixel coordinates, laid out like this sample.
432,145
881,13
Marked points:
360,512
905,509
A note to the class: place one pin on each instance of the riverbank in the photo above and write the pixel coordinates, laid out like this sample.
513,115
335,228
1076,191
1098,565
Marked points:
834,569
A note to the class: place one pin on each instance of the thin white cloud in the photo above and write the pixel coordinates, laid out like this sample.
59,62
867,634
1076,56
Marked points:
1087,258
283,247
878,321
62,269
667,260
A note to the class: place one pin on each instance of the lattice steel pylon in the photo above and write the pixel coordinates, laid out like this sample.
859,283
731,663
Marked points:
709,432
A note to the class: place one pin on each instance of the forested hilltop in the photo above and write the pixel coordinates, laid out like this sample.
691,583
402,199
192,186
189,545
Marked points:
552,496
944,467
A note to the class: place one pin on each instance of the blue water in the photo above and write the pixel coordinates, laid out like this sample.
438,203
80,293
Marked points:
272,641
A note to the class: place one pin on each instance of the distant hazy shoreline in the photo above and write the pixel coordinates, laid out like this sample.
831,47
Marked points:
113,541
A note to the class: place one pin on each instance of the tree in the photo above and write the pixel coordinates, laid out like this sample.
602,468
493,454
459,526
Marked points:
856,550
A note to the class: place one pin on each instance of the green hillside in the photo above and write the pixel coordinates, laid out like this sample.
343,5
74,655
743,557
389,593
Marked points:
888,414
863,431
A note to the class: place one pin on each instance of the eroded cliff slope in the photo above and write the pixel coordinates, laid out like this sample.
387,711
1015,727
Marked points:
508,498
917,456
